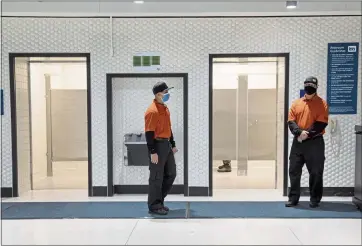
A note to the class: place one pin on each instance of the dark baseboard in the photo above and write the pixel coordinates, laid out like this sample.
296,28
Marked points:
357,202
143,189
99,191
6,192
198,191
330,191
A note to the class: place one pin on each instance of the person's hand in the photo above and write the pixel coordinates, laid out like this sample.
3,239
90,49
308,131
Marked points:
304,135
154,158
174,150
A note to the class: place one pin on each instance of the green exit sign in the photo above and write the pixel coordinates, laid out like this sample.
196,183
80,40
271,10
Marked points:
156,60
137,61
146,60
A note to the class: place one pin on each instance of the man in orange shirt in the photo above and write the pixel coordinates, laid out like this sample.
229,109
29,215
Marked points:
308,118
162,148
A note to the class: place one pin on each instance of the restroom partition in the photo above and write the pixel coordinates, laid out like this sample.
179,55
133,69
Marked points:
67,138
245,124
129,95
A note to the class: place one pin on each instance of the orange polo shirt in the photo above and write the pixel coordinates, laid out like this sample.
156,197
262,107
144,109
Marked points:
158,120
307,111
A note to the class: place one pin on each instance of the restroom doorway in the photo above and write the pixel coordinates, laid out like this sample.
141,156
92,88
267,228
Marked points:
50,100
248,127
128,160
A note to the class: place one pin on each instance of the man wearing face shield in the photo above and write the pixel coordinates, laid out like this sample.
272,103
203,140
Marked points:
162,147
307,120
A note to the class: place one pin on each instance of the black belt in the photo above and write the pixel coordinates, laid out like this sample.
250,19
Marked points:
162,139
308,139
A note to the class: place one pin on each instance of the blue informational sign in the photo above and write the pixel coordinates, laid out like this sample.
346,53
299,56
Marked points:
301,93
342,78
1,102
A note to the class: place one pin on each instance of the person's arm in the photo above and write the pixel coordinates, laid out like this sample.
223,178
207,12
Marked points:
150,128
172,140
293,126
321,122
316,129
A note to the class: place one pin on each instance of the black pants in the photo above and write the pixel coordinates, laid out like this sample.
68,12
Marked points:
162,175
311,153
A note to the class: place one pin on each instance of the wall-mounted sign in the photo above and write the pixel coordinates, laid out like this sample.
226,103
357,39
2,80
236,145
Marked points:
147,61
342,78
1,102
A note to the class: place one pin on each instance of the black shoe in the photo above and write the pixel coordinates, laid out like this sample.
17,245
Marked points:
165,207
159,211
225,169
314,204
290,204
225,163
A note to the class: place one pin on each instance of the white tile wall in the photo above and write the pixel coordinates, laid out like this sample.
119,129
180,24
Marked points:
1,117
280,120
23,123
185,45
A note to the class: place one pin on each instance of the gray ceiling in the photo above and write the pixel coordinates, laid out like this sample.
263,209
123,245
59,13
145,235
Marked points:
181,1
175,7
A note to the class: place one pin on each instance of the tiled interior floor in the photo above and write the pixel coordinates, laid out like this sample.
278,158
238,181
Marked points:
66,175
179,232
182,232
74,175
260,175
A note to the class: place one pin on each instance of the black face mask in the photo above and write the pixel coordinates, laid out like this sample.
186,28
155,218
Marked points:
309,90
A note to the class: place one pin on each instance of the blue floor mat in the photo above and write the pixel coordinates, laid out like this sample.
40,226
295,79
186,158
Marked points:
179,210
272,210
5,205
87,210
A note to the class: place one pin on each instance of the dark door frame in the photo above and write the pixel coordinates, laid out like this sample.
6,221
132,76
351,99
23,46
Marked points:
286,109
140,189
12,56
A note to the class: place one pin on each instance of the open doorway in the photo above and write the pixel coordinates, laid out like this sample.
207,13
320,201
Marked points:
248,128
50,121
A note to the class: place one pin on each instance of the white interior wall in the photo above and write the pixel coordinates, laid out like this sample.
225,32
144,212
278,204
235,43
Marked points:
260,75
281,120
23,124
1,117
38,116
67,76
63,76
185,45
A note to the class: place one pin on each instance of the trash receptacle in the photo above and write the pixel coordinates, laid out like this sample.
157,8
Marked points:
137,151
357,199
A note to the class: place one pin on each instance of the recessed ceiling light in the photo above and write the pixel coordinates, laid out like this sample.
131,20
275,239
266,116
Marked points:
138,2
291,4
